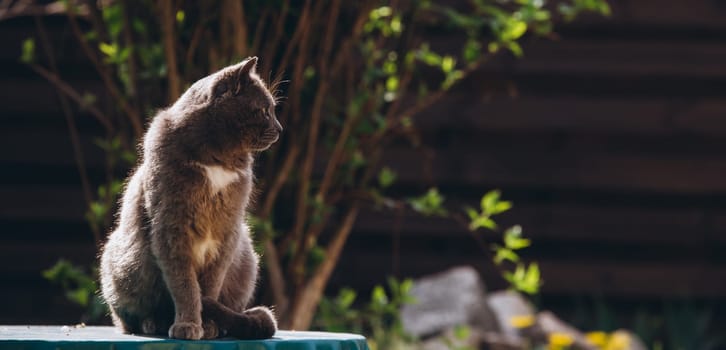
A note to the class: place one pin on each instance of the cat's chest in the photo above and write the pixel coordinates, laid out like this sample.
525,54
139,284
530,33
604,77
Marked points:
218,178
205,249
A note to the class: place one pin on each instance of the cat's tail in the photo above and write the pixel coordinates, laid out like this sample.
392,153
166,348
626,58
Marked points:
254,323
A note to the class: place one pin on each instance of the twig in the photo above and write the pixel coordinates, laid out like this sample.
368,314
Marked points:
30,8
277,279
73,95
108,82
72,128
166,11
129,39
254,46
308,299
96,18
282,174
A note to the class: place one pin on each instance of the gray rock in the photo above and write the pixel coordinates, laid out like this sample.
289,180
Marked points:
449,340
506,305
447,299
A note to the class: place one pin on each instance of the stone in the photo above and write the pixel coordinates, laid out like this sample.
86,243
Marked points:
507,305
445,300
450,340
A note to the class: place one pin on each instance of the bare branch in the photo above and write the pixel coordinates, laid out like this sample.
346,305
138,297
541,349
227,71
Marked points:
108,82
168,20
72,128
308,299
277,279
31,8
73,95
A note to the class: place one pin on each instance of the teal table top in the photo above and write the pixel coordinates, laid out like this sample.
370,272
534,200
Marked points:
91,338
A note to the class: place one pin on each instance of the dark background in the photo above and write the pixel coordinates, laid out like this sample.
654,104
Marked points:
610,141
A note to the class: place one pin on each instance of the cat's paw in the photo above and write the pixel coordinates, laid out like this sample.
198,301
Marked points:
211,331
148,326
264,321
186,330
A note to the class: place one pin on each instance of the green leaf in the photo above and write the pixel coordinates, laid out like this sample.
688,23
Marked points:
524,279
383,11
513,29
396,26
378,296
98,209
447,64
79,296
28,51
489,201
513,238
482,222
451,78
472,50
429,204
346,297
504,254
501,207
109,50
392,83
462,332
515,48
471,213
386,177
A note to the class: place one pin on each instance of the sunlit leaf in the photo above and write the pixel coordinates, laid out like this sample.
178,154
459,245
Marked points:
28,51
386,177
489,201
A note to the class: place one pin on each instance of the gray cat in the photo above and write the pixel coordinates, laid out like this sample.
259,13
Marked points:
180,261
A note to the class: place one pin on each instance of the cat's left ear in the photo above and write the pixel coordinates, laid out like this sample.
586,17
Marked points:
248,67
243,74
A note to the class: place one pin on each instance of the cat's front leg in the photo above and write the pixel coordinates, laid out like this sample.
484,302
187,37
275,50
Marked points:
181,280
211,278
210,281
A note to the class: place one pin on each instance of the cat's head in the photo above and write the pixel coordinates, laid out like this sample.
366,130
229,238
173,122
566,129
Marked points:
237,102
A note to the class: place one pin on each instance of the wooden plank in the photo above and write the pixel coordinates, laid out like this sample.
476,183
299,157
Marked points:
577,114
47,146
34,95
702,13
552,169
623,57
42,203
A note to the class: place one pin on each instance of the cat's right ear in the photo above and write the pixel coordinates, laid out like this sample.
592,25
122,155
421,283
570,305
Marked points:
248,67
242,76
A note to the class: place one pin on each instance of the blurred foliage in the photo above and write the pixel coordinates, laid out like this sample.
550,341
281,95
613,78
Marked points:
676,324
80,287
379,319
349,64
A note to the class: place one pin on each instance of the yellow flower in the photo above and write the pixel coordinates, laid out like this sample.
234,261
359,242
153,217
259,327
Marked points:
599,339
618,341
522,321
557,340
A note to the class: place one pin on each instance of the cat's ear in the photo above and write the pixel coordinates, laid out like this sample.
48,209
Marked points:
242,76
248,67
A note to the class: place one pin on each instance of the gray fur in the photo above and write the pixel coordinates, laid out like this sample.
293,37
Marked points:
154,268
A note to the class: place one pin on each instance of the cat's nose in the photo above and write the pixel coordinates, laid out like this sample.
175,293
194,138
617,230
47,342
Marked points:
278,127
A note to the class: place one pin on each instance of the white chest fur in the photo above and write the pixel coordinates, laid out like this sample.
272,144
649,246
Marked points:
219,178
205,250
